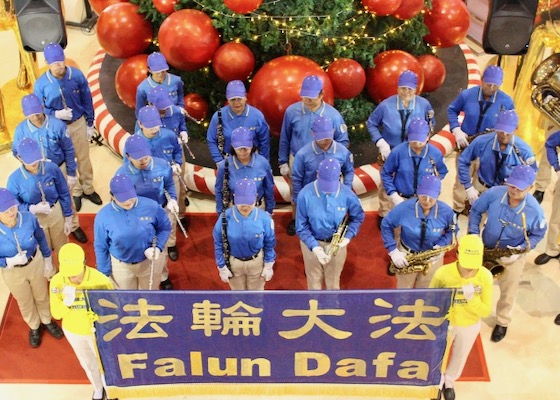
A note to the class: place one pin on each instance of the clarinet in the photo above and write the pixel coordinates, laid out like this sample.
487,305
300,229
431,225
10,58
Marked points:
220,132
225,205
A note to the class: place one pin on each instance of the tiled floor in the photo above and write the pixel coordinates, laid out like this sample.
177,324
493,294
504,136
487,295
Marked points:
523,366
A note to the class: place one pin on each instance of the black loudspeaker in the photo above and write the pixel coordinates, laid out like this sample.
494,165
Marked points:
509,26
40,23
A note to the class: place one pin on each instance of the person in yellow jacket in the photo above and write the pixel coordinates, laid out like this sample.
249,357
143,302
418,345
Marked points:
472,301
68,303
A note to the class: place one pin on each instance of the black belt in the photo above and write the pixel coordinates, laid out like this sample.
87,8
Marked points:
406,197
247,258
408,249
28,261
483,184
325,240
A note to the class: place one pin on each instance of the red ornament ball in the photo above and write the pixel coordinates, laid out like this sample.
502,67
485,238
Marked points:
122,32
389,65
409,9
188,40
382,7
278,83
348,78
233,61
196,106
128,76
434,72
99,5
165,6
243,6
448,22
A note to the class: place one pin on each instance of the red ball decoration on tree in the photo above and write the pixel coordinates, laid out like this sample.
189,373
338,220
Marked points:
382,7
196,106
434,72
99,5
278,83
233,61
128,76
389,65
409,9
242,6
165,6
448,22
122,32
188,40
348,78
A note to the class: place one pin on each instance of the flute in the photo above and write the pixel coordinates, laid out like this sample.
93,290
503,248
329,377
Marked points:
43,196
168,198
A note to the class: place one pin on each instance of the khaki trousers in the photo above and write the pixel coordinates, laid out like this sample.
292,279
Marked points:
459,192
553,234
85,350
509,284
78,134
316,273
247,274
137,276
53,226
463,338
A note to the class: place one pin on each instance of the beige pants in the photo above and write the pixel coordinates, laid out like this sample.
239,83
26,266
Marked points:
463,338
53,226
247,274
316,273
459,193
385,202
137,276
85,350
78,134
75,217
553,234
509,284
30,289
181,192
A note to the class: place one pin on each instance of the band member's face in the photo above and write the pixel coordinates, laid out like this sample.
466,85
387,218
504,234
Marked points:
76,280
58,69
245,209
127,204
37,119
489,89
313,103
517,194
504,138
33,167
417,147
141,163
243,153
149,132
9,215
324,144
237,104
405,93
159,76
426,202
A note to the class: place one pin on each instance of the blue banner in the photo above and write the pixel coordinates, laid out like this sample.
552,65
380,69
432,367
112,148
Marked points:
385,337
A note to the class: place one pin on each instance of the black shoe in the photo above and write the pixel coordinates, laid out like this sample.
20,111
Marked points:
187,201
538,195
173,253
448,393
166,285
93,197
498,333
292,228
77,202
185,222
438,395
54,330
80,235
35,337
379,221
557,320
544,258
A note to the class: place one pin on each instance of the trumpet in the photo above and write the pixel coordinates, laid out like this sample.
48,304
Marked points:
334,245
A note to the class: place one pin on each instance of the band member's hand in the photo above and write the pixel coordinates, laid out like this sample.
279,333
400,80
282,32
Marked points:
71,181
65,114
19,259
40,208
509,259
267,271
396,198
284,169
48,268
152,253
183,137
383,148
67,225
468,291
322,257
472,194
398,258
69,293
343,242
460,137
225,274
172,206
90,131
176,169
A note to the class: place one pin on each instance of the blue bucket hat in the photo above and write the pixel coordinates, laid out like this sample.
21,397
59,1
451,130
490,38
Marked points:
328,175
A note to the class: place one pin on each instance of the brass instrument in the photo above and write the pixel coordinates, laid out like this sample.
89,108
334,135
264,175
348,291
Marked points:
546,91
473,137
334,245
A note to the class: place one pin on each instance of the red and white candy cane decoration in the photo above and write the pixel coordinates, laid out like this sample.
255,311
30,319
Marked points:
203,179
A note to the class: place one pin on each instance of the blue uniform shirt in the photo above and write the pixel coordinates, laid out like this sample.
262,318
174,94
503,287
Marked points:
125,234
296,128
308,158
551,146
251,118
172,83
318,214
163,145
246,235
27,234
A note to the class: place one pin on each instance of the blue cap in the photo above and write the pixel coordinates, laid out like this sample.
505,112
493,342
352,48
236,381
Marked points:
507,121
149,117
408,79
29,151
159,97
122,188
242,137
137,147
418,130
157,62
430,185
493,74
235,89
7,200
328,175
53,53
311,87
322,128
522,176
245,192
31,105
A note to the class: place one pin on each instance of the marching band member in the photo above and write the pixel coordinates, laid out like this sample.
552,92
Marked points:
244,241
296,128
329,215
130,235
515,224
26,261
423,224
41,189
68,303
472,301
245,163
235,115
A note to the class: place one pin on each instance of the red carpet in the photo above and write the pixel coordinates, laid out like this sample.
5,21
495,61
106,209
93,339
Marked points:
54,360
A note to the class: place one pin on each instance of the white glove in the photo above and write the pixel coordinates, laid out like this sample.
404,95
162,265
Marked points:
67,225
176,168
183,111
267,271
90,131
225,274
322,257
398,258
64,114
384,148
460,137
284,169
152,254
172,206
343,243
438,257
396,198
183,137
509,259
71,181
48,269
472,194
468,291
69,293
40,208
18,259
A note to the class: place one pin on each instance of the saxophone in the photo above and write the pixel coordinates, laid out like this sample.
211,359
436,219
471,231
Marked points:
334,245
